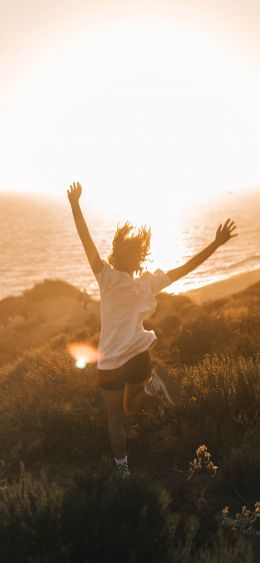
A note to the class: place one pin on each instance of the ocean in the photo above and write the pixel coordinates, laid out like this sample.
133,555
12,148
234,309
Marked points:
39,241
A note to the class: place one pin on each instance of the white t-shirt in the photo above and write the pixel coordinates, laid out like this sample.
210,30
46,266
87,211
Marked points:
125,302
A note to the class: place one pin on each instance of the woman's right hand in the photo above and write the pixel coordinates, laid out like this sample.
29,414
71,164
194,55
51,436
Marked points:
74,193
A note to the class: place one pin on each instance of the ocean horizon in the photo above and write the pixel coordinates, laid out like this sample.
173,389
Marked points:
39,241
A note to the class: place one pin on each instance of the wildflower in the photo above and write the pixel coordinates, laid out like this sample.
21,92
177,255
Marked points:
202,463
257,508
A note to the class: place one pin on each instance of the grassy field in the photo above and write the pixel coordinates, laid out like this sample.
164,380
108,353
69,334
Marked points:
194,491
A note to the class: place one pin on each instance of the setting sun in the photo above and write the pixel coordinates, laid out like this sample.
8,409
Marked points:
135,112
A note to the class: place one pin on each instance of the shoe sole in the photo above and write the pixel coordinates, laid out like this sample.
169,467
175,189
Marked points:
168,387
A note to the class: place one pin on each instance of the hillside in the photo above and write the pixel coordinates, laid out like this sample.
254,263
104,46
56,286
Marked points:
40,313
187,464
53,306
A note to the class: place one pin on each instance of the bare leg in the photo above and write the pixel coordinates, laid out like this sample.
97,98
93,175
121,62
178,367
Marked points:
114,406
135,398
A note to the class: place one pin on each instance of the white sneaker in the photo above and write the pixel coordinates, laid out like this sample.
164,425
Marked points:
152,386
123,470
122,466
161,381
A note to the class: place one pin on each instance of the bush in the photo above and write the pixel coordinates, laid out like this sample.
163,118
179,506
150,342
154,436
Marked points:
242,460
30,528
107,518
227,548
49,289
204,335
49,409
104,518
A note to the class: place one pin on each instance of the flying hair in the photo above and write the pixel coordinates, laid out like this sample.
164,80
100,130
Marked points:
130,247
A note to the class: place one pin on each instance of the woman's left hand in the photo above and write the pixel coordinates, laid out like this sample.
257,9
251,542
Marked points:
225,233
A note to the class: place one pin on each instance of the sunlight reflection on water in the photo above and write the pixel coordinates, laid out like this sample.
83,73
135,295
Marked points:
39,240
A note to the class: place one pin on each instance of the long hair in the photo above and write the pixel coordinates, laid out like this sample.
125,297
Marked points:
130,249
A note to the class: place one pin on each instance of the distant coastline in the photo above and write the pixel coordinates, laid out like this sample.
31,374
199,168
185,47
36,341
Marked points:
223,288
207,292
52,306
42,244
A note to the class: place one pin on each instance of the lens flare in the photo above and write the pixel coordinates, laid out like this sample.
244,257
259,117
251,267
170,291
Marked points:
80,362
83,353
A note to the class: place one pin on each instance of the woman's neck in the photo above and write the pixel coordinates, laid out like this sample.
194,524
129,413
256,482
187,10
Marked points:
130,273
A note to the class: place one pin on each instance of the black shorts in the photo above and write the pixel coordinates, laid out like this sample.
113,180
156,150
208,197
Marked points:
136,370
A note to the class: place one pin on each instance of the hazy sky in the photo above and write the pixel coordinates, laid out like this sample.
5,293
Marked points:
138,100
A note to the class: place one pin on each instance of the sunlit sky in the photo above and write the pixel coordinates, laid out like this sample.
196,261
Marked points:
146,103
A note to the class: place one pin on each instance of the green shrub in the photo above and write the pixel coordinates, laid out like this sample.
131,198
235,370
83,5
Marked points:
49,409
30,529
107,518
227,548
103,518
204,335
241,466
51,288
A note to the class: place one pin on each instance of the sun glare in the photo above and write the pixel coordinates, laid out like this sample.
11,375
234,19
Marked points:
83,354
147,117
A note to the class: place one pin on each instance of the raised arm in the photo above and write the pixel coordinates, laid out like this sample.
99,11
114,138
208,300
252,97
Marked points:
223,234
94,259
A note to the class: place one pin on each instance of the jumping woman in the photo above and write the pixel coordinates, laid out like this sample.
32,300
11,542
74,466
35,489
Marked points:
126,377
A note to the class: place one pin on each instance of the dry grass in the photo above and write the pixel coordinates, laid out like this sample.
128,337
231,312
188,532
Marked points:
52,416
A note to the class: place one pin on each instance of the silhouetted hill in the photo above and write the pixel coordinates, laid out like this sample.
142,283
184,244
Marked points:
38,314
58,490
